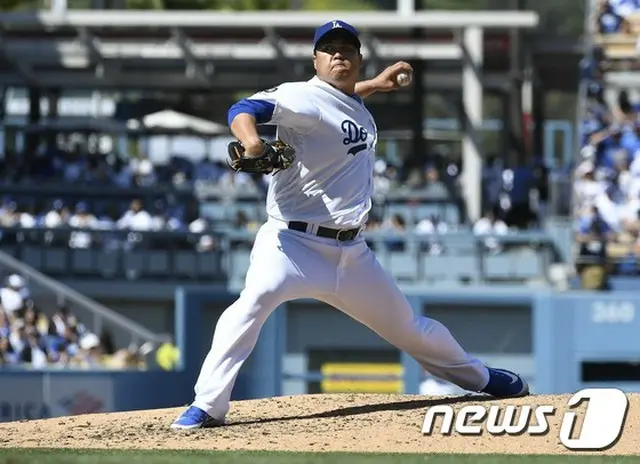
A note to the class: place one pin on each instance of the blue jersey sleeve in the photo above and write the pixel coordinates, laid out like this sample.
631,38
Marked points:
289,105
259,109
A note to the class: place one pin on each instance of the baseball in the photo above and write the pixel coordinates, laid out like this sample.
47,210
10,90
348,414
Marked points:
403,79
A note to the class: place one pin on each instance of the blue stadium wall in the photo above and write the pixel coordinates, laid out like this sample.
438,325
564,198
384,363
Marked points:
560,341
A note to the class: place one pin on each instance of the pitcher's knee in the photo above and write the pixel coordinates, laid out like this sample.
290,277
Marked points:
260,304
429,326
421,333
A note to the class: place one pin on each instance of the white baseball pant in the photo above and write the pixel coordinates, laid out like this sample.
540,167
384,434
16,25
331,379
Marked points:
287,265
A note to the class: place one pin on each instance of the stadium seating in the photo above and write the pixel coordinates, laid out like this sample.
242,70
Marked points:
606,173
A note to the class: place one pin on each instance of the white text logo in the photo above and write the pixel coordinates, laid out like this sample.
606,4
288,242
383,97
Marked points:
602,425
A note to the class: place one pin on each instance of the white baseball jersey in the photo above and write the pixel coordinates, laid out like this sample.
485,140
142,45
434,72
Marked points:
335,136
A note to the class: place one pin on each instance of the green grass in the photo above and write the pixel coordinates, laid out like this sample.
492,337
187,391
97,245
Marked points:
31,456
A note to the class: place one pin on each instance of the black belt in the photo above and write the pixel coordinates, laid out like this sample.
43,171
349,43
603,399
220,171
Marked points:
339,234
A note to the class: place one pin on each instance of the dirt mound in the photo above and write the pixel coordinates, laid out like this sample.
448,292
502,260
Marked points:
338,422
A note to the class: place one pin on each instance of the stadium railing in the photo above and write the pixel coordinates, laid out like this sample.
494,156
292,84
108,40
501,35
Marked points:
223,256
50,295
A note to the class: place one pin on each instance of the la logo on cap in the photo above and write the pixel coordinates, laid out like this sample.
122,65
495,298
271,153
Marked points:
336,25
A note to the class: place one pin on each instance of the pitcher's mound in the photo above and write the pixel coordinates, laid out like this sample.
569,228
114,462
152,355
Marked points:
337,422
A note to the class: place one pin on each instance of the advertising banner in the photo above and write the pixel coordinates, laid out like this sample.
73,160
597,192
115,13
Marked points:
42,396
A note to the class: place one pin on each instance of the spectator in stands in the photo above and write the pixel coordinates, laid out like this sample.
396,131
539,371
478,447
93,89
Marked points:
85,221
434,188
33,352
71,337
59,320
90,354
8,356
630,214
57,216
21,284
592,235
540,190
55,343
490,225
121,173
385,179
625,112
5,328
73,167
491,182
622,176
106,342
207,171
606,147
136,218
99,172
374,222
163,220
381,184
609,19
242,222
18,335
586,187
143,172
42,323
609,205
31,339
30,317
519,183
108,220
12,294
26,217
132,357
432,226
204,242
394,226
9,216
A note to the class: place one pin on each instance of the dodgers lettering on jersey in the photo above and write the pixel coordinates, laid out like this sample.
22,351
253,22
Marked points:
331,182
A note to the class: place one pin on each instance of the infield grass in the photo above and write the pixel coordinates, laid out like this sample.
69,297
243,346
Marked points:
53,456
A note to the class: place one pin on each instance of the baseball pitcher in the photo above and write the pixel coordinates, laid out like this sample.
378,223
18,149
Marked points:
311,245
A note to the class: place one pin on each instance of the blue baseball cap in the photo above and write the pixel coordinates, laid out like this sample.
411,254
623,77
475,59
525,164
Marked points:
333,26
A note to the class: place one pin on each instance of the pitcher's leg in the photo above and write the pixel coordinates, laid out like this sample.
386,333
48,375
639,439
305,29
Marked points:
272,278
371,296
284,266
235,337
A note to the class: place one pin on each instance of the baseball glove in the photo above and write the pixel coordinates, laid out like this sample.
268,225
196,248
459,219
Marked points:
277,155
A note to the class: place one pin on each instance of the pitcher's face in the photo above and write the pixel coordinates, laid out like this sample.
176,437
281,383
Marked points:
337,58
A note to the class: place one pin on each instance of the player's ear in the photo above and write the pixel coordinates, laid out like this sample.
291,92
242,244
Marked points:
315,62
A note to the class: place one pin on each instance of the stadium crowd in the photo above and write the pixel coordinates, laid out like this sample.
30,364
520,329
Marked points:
606,199
55,166
33,337
81,222
98,224
612,16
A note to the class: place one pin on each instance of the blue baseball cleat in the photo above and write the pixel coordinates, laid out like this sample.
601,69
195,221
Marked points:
195,418
505,384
